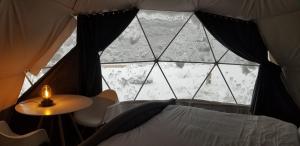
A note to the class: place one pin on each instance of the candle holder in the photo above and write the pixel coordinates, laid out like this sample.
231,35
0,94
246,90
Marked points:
46,103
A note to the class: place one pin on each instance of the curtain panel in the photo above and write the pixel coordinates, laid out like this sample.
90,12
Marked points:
95,33
270,97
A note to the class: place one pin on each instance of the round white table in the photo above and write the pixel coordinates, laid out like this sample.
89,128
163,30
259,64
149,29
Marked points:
63,104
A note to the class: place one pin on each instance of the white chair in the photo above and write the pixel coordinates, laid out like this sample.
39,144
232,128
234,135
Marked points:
9,138
93,115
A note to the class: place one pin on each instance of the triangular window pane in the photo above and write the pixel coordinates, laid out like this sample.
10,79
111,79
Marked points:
185,78
161,27
126,79
215,89
218,49
241,80
191,44
64,49
156,87
131,45
25,87
230,57
34,78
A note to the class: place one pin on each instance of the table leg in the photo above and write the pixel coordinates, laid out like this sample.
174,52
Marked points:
61,131
52,120
76,128
40,122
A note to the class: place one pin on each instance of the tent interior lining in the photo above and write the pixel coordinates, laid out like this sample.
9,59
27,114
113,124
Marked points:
24,41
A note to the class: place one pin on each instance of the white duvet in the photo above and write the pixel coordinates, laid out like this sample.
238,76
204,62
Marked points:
190,126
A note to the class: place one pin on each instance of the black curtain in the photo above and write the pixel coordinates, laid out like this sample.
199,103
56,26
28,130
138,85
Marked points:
95,33
270,97
79,72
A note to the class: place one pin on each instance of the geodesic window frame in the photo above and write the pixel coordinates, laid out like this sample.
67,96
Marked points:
157,61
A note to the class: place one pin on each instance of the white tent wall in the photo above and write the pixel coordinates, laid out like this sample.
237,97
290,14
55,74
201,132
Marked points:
32,30
281,34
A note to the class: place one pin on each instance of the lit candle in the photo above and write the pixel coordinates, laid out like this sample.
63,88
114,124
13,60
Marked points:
46,94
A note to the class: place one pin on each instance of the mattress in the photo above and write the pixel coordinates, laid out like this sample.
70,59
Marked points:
189,126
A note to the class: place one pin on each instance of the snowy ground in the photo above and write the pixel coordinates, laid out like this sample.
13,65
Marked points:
127,79
190,46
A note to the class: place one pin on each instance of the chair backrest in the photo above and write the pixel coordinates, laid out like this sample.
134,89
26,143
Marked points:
103,100
5,130
93,115
9,138
109,94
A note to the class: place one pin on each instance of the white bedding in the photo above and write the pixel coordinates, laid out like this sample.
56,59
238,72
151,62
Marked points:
189,126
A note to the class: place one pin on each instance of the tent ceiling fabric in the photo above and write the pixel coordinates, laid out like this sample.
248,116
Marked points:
32,30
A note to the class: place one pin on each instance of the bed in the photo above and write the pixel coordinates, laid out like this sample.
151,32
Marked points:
167,124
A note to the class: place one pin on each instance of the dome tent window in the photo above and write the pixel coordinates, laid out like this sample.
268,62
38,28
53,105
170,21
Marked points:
175,57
